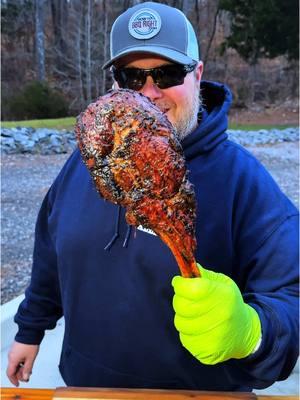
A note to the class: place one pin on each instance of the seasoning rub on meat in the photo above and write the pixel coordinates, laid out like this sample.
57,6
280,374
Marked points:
136,161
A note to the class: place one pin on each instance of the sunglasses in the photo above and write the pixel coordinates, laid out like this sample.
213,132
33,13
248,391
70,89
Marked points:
164,77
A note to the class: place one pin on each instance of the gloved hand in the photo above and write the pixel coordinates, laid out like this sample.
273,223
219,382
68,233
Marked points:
213,321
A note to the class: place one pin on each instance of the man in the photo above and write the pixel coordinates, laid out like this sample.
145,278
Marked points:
236,327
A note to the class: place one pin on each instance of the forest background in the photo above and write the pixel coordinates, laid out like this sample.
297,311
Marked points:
53,50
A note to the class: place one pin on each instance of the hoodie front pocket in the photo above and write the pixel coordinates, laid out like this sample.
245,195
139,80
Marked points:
79,370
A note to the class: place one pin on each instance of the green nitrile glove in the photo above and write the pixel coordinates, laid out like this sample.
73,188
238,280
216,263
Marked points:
213,321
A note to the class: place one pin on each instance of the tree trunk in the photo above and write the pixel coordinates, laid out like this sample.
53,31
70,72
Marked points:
212,33
105,44
88,19
39,39
79,60
59,14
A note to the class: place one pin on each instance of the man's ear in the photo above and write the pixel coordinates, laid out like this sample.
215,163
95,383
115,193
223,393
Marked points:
199,71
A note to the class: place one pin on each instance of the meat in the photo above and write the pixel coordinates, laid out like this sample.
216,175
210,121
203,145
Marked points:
136,161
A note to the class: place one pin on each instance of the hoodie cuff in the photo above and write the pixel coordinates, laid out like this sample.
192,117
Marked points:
29,336
257,346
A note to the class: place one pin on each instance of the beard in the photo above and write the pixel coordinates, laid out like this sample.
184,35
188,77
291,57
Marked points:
188,120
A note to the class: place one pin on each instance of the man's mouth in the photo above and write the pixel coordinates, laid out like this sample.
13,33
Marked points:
163,109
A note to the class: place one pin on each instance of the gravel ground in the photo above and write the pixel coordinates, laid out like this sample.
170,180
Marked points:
26,178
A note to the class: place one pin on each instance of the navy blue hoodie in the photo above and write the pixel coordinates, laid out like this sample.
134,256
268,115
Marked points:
117,302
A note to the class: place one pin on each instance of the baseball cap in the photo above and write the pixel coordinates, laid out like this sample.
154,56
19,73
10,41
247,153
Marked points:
156,29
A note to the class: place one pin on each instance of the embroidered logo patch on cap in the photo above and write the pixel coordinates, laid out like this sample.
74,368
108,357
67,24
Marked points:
144,24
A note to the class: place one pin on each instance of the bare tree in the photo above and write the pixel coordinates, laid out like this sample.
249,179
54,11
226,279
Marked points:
105,34
214,17
88,17
39,39
59,15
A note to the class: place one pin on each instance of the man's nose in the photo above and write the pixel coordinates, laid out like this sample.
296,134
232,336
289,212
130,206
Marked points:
150,89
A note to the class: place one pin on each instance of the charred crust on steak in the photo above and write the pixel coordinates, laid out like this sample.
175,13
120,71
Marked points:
135,159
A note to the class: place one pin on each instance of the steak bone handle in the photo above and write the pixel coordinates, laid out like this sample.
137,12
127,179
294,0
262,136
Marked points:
187,265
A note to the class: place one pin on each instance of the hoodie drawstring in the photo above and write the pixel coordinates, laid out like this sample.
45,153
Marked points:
125,243
116,233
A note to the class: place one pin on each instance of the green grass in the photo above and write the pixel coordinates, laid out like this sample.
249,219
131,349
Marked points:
59,123
68,124
257,127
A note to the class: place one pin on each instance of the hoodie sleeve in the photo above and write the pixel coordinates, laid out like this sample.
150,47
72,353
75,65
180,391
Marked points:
41,308
266,237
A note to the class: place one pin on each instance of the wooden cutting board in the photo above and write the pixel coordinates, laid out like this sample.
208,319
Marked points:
145,394
70,393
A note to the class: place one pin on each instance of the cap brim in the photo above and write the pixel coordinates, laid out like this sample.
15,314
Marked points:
169,54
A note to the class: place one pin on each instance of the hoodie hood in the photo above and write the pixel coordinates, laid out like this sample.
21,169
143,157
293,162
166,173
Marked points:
217,100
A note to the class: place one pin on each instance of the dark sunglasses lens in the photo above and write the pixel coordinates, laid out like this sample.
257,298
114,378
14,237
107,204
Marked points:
169,75
164,77
130,78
